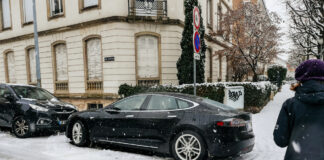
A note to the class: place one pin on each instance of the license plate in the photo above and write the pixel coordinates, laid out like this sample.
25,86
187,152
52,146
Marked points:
61,122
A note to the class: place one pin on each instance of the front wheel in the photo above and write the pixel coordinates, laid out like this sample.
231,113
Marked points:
188,145
21,127
79,134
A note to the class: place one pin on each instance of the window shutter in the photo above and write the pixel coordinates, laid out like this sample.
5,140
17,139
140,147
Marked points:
94,59
11,67
28,10
147,57
208,12
61,62
32,65
6,14
89,3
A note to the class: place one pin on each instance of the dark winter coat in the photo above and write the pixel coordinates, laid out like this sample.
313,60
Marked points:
300,124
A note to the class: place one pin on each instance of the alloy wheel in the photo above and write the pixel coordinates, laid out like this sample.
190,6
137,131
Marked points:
21,127
77,133
188,147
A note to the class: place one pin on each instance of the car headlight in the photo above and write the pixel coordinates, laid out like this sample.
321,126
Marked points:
38,108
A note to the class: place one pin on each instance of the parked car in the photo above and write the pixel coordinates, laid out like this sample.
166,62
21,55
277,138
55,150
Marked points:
185,126
29,109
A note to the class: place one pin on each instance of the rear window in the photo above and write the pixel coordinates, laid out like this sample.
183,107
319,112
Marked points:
217,104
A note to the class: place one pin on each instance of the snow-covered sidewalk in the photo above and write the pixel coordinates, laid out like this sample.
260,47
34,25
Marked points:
59,148
264,124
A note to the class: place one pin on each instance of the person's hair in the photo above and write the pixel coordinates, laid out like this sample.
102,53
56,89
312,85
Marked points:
294,86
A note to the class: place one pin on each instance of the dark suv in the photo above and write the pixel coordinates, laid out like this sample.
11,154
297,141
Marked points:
29,109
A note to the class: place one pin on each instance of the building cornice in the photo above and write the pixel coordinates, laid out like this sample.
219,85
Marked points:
214,40
127,19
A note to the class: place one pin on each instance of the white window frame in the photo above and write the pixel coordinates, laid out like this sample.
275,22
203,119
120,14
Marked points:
26,20
52,7
5,15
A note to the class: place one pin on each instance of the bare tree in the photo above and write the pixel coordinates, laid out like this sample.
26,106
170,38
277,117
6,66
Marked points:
296,56
253,39
307,26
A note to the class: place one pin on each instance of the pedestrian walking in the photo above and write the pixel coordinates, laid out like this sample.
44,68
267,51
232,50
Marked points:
300,125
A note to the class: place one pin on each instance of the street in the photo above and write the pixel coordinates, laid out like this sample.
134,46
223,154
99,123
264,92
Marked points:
57,147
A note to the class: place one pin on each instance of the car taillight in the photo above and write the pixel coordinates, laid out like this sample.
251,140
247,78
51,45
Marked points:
232,122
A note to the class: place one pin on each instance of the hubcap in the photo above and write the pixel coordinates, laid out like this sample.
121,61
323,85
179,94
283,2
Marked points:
21,127
188,147
77,133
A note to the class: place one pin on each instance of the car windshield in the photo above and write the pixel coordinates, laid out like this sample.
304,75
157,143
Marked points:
217,104
32,93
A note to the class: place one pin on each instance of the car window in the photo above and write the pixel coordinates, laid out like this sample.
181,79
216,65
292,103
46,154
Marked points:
162,103
3,91
183,104
131,103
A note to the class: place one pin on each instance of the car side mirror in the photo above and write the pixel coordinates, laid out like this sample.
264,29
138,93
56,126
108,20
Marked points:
9,97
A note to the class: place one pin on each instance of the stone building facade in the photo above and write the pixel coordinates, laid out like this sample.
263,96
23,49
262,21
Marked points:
88,48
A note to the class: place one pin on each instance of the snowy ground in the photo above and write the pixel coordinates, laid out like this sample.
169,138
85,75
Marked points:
59,148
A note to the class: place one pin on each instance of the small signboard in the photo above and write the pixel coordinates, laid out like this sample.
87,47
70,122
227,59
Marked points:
196,18
197,56
109,59
234,97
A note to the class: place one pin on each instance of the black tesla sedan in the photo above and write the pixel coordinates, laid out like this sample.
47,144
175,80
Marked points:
188,127
29,109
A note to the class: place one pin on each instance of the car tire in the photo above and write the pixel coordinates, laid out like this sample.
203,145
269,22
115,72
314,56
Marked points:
79,134
188,143
21,127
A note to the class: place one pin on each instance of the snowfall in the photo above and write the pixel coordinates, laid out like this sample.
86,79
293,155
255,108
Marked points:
57,147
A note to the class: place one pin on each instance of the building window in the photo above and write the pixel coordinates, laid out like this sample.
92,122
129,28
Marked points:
208,65
10,67
31,66
5,15
88,4
148,7
94,106
61,68
209,13
56,8
148,60
93,64
27,14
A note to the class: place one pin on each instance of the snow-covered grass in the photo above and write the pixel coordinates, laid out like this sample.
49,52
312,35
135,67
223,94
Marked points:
58,147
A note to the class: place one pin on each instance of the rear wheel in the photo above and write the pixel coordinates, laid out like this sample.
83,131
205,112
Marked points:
188,145
79,134
21,127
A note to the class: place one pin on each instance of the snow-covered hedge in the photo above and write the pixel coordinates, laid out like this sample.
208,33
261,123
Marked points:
257,94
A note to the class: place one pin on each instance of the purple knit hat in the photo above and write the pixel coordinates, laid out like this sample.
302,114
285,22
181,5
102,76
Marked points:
310,70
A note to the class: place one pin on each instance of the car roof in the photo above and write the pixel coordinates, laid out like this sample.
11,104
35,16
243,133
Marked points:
12,84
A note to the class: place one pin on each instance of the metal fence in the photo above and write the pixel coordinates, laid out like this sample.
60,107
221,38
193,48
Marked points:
147,8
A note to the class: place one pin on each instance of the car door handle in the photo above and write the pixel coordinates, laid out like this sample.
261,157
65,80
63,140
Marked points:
172,116
129,116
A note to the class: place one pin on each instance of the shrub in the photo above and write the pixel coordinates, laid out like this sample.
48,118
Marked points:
256,96
277,74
